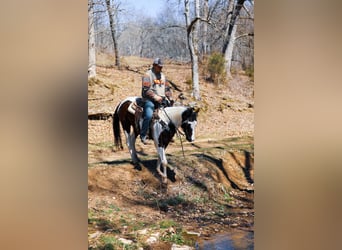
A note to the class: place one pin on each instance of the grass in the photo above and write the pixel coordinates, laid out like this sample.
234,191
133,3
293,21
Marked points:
114,208
173,201
175,235
226,195
167,223
178,237
110,242
102,224
138,225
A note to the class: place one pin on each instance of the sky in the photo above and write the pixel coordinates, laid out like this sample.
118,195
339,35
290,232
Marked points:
150,7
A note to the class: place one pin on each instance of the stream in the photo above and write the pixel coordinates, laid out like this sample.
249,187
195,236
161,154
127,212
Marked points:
234,240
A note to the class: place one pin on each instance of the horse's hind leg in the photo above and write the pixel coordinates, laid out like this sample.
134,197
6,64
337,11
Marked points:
134,151
130,140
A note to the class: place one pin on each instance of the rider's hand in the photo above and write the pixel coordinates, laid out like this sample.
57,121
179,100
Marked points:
158,98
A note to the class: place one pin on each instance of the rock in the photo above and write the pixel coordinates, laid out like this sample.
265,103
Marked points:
125,241
142,231
151,240
178,247
193,233
156,235
94,235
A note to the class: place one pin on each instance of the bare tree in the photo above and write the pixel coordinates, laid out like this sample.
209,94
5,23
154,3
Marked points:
91,41
234,8
192,36
111,15
243,55
205,27
210,26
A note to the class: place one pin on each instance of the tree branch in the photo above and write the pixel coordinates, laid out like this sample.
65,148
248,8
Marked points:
172,26
194,21
243,35
247,11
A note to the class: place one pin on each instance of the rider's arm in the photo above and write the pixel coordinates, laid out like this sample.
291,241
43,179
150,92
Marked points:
168,91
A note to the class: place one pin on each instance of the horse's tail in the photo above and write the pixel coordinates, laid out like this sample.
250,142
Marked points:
116,129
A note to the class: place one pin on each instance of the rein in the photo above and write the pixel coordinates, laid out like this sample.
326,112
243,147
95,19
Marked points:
179,133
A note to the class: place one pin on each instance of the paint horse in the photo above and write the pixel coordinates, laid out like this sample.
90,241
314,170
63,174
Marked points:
162,129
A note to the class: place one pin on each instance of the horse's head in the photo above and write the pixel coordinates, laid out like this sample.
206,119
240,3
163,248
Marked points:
189,122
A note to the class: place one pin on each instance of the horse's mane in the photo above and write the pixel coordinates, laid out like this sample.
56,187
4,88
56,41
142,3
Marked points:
173,113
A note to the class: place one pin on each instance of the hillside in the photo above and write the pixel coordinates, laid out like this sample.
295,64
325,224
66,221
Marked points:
211,191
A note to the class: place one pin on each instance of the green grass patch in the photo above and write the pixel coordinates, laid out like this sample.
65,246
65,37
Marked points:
109,242
167,223
172,201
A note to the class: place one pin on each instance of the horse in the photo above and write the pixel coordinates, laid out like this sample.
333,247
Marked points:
162,129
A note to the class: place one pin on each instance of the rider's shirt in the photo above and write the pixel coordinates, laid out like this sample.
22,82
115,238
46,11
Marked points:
155,84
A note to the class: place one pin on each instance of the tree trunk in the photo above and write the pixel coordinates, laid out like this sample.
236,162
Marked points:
228,55
234,8
113,32
193,46
91,41
205,27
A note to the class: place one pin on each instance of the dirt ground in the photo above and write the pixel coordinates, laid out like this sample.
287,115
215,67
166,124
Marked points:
211,189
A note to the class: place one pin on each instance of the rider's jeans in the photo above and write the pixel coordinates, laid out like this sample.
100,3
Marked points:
147,114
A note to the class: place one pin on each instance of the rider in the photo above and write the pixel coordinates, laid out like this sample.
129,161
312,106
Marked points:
155,89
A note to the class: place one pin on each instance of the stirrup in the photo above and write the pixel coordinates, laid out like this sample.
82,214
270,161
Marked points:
144,139
155,115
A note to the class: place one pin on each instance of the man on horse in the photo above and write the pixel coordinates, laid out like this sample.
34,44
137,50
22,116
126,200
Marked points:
155,91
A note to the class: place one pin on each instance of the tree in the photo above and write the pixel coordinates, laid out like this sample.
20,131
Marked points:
192,36
224,26
91,41
234,8
205,27
111,15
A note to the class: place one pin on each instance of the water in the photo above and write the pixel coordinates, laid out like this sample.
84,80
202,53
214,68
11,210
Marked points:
236,240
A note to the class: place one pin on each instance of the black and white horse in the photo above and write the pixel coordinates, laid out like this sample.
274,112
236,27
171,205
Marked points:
162,130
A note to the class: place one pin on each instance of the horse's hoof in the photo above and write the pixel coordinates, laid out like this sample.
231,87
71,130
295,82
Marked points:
164,185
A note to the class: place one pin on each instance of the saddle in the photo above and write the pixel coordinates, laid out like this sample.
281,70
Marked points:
136,108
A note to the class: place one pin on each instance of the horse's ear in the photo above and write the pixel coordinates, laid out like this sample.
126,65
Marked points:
196,109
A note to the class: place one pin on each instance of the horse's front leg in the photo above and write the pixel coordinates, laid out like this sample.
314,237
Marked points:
162,160
159,165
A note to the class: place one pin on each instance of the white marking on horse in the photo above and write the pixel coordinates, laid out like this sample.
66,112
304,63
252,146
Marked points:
193,126
130,99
